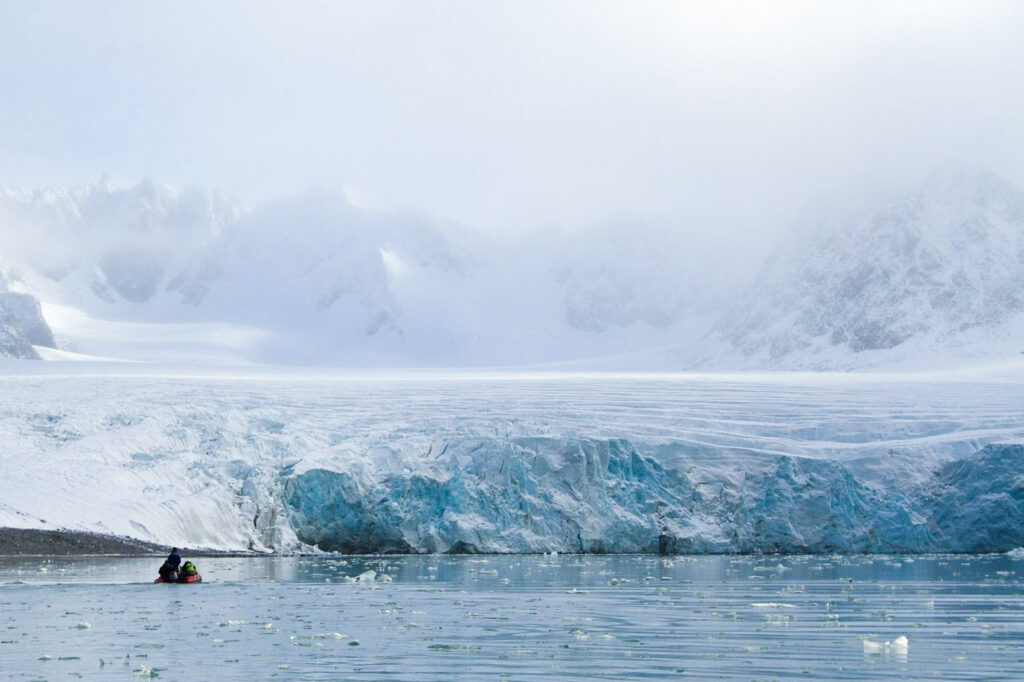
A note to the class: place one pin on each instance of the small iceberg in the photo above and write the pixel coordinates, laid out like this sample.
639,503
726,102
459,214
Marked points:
896,646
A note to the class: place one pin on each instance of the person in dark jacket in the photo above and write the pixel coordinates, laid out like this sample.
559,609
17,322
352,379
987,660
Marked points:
169,571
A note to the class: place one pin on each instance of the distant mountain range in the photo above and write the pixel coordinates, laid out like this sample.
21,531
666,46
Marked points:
938,272
154,273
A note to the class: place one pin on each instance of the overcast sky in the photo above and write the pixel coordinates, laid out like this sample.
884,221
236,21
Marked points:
711,115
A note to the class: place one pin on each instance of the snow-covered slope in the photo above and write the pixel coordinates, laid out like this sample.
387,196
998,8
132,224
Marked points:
938,273
315,279
931,279
103,248
513,463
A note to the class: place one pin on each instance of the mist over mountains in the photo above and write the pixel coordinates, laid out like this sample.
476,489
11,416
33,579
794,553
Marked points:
159,274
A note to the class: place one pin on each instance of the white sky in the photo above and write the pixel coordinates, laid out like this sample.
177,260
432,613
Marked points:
708,115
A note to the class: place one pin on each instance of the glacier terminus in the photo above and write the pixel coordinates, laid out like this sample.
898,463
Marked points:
511,463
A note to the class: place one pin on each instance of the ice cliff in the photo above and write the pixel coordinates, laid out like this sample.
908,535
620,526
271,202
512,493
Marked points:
515,464
539,495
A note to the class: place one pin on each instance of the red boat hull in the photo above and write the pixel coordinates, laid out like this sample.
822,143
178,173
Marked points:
189,579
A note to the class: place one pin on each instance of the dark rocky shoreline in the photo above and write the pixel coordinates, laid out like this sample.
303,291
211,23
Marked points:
37,542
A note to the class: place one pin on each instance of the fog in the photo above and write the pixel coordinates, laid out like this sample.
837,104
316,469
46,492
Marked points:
456,183
724,117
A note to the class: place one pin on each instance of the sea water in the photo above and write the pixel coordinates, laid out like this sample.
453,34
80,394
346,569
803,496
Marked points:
536,617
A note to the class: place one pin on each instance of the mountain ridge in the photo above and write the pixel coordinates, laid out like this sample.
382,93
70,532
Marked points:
940,271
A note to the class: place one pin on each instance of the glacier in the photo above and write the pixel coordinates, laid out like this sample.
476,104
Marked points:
591,496
286,460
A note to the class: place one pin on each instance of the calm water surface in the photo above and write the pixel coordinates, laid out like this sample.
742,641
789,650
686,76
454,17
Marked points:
516,618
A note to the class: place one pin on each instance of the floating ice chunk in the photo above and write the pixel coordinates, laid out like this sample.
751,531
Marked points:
367,576
1016,553
771,605
83,626
145,673
873,647
900,645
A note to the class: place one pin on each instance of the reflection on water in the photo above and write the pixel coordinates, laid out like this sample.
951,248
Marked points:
516,617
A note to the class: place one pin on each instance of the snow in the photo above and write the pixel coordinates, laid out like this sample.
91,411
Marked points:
932,279
515,462
931,275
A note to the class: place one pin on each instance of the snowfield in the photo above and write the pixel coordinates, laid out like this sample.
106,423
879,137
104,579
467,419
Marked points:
514,462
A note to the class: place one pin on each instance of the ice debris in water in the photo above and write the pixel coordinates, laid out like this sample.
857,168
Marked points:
83,626
771,605
145,672
1017,553
898,646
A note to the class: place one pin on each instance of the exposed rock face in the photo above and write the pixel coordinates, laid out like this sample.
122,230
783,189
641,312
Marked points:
22,326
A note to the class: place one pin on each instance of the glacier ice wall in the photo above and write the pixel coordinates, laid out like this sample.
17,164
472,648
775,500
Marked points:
583,495
512,463
521,495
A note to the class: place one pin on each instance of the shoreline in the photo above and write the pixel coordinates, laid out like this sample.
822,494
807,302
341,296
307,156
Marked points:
28,542
37,542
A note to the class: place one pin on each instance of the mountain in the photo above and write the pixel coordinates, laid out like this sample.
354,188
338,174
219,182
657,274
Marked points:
938,272
150,272
315,279
99,247
22,326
